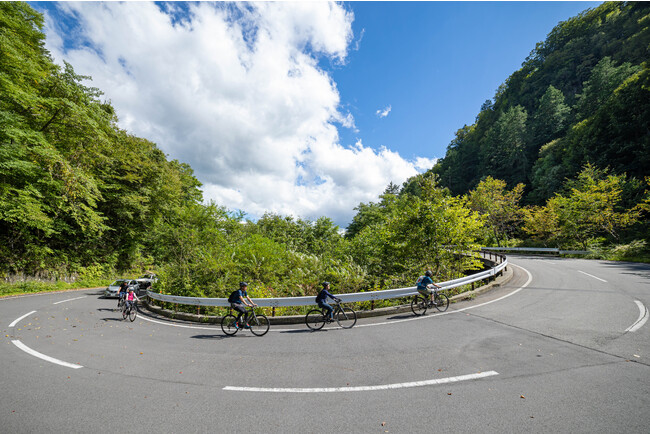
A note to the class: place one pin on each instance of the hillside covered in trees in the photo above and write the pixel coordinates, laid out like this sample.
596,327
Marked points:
558,159
582,96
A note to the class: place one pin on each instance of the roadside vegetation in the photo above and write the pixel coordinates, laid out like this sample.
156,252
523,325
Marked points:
558,159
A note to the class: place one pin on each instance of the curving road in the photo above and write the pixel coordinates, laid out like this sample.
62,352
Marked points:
563,347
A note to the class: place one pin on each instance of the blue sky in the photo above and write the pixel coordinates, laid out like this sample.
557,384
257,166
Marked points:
303,109
434,64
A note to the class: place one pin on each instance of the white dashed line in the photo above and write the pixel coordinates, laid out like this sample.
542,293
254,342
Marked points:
28,350
70,299
643,318
22,317
591,275
362,388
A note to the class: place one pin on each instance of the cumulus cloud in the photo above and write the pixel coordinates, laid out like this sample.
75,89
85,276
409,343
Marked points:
235,90
383,113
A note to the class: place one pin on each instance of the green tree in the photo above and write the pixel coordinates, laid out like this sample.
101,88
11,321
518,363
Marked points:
591,208
504,153
499,206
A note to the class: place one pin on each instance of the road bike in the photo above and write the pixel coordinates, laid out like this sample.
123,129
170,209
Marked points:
344,316
420,303
130,310
257,323
120,302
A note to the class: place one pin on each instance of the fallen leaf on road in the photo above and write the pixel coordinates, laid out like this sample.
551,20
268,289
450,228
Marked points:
522,397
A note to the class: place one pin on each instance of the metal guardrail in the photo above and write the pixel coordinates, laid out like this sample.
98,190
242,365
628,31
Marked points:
350,297
536,249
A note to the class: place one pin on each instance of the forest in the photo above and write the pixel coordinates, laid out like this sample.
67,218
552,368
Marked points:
560,157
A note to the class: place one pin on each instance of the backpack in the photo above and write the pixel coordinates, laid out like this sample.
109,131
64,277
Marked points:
234,297
419,281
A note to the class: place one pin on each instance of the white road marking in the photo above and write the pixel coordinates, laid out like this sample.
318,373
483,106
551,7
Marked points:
70,299
363,388
643,318
24,316
415,318
28,350
591,275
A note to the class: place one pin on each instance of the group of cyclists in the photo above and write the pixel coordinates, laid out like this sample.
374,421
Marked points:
127,294
239,299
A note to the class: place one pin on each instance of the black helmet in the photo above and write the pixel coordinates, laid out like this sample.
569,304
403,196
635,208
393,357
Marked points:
325,284
242,284
428,273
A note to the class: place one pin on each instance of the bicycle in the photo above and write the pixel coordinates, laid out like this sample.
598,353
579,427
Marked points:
120,302
130,310
345,317
420,303
257,323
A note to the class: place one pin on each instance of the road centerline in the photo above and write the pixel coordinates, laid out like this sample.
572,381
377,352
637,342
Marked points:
42,356
363,388
70,299
21,318
591,275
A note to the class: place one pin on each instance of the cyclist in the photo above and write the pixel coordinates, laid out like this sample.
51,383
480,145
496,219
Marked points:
321,299
121,293
237,301
130,297
425,285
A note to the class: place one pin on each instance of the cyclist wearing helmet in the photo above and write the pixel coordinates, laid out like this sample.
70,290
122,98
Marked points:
237,300
425,284
321,299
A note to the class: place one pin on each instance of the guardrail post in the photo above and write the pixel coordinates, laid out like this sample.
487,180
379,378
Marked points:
372,304
273,311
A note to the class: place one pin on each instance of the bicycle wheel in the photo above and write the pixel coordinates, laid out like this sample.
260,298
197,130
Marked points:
346,317
133,312
120,304
259,325
228,324
315,319
419,305
441,301
125,312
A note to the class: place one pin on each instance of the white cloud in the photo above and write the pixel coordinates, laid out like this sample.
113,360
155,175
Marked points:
235,91
383,113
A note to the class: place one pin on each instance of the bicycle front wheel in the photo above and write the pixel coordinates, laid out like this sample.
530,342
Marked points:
441,302
125,312
419,305
315,319
133,312
228,324
346,317
259,325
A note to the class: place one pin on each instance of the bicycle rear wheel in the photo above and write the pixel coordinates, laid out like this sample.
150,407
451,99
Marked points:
228,324
419,305
133,312
125,311
346,317
315,319
441,301
259,325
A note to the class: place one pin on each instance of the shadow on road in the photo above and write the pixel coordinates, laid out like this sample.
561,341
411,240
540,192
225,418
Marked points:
216,337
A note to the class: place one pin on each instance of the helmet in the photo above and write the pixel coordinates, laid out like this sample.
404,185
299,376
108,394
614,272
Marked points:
428,273
242,284
325,284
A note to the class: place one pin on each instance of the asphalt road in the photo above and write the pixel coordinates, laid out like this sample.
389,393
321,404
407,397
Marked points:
560,348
